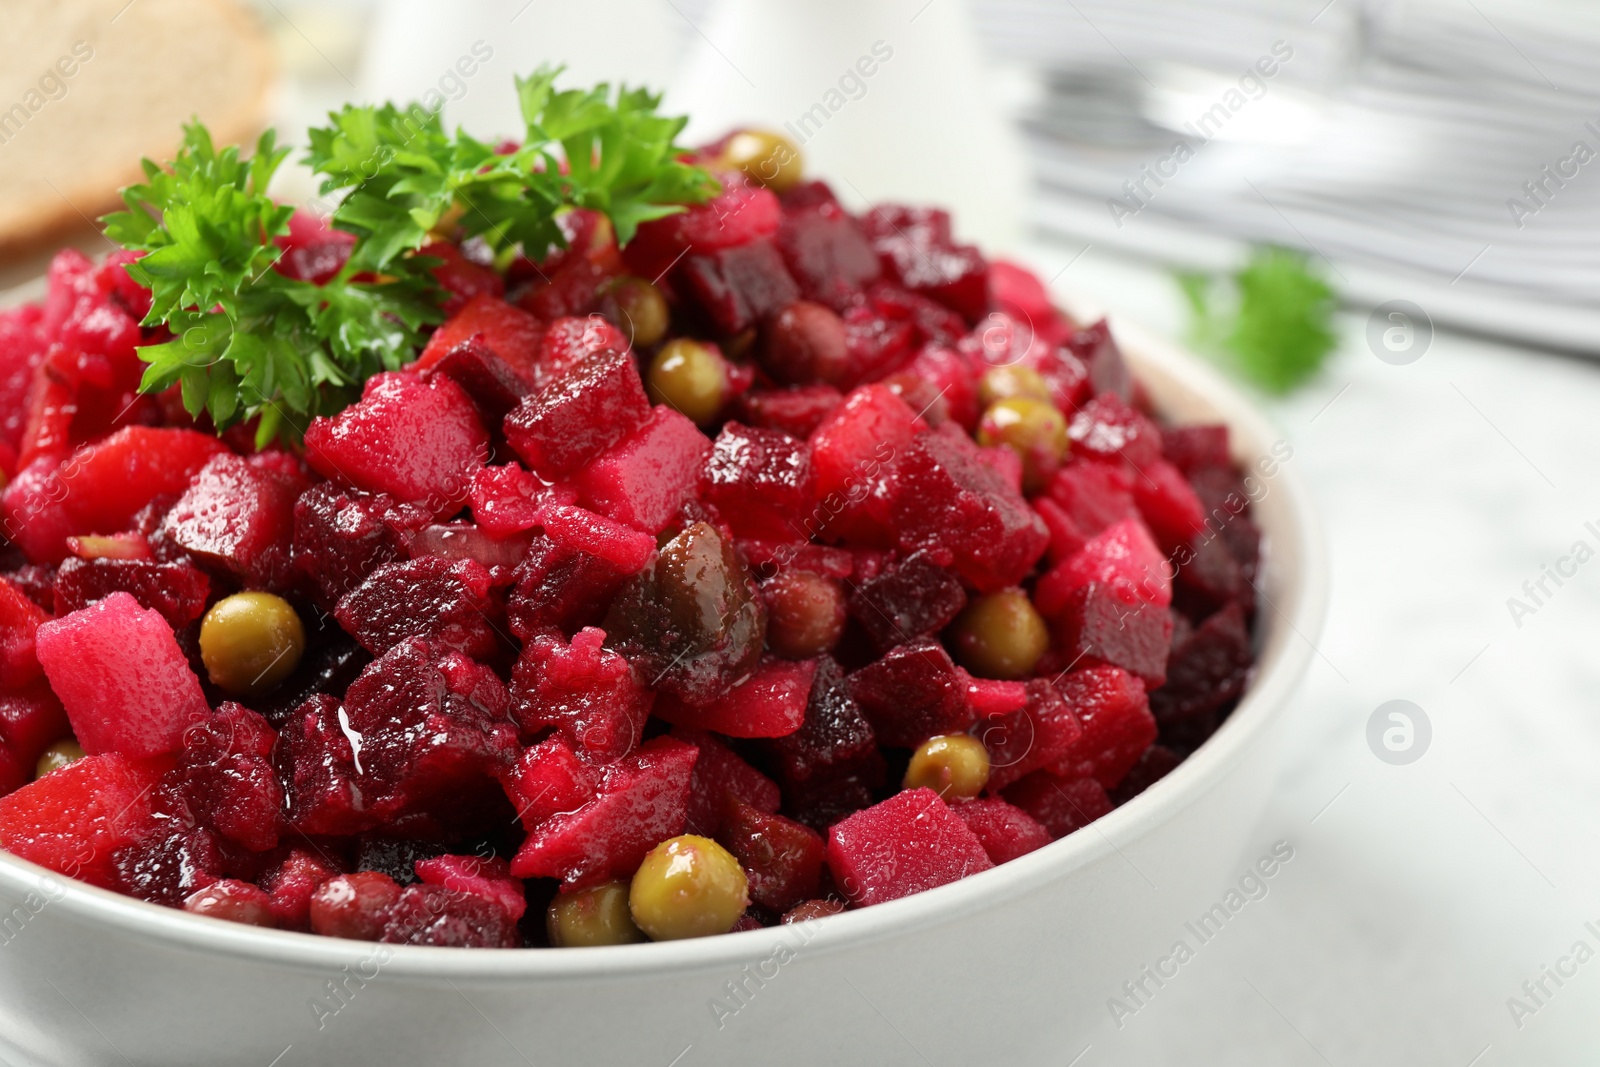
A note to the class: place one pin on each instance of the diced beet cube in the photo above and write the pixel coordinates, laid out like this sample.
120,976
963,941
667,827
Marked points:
1066,536
1168,504
509,332
1191,448
560,588
443,601
855,455
579,414
74,819
124,682
22,347
955,275
719,772
642,801
834,741
313,251
331,662
574,339
923,226
1022,741
167,866
797,410
911,694
1208,578
100,488
31,720
507,500
1156,763
419,733
579,529
36,581
342,535
644,480
742,212
990,698
759,480
782,858
808,195
1004,830
589,693
828,253
906,844
487,878
238,516
420,442
1060,805
1019,291
228,781
877,345
1117,725
695,623
47,435
1063,372
291,883
1108,371
949,498
444,917
1099,625
769,703
949,376
768,558
739,286
19,623
820,803
932,323
466,541
576,287
1206,672
495,388
1093,495
34,514
1108,429
547,780
1226,501
912,597
1120,558
460,277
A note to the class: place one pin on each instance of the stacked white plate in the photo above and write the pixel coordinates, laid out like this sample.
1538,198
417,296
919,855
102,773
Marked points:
1447,153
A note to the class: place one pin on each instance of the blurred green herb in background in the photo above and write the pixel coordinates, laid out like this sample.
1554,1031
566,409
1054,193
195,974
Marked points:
1271,321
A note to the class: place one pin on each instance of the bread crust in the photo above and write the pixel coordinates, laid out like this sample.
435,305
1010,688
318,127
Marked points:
52,190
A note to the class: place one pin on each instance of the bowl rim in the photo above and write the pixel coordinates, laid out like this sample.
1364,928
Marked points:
1286,654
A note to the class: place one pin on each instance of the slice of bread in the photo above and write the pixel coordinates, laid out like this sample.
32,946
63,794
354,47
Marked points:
89,87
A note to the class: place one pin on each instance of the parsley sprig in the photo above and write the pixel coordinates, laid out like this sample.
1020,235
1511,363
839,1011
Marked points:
251,342
1276,326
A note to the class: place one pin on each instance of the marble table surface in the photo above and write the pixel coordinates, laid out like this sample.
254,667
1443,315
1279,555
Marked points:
1423,896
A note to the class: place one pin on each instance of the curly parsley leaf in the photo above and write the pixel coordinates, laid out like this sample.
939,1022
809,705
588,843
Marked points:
248,342
403,176
1275,327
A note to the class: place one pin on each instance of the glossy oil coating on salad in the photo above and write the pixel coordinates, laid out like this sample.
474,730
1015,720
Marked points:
579,540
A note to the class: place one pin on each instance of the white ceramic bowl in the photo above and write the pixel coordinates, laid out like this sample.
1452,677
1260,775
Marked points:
1012,966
